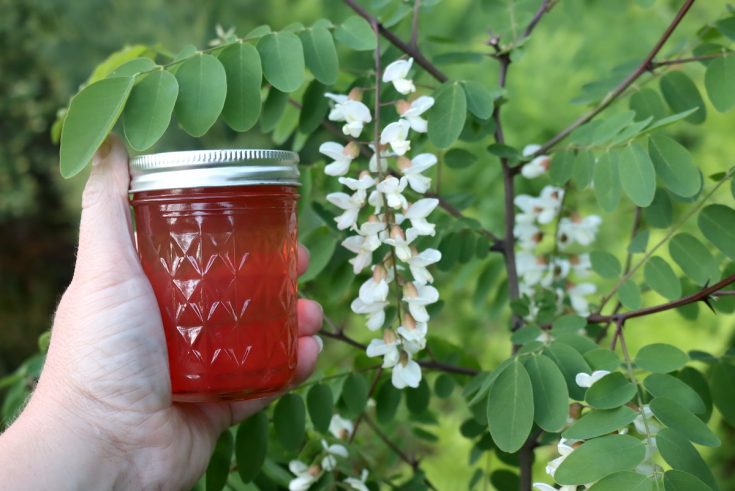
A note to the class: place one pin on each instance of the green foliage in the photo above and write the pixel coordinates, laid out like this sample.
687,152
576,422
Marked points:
674,166
219,464
356,33
664,385
678,418
660,358
661,278
612,391
600,422
682,95
282,56
447,117
600,457
716,223
289,419
148,110
320,54
251,446
241,62
637,175
320,402
510,408
202,92
550,395
681,455
719,81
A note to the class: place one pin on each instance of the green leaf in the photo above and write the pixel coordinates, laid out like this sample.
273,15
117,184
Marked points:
693,258
550,394
663,385
219,464
676,417
488,380
133,67
568,324
148,110
660,213
723,381
444,385
417,400
504,151
611,391
273,108
321,243
320,402
602,359
637,175
599,458
607,181
727,27
562,167
647,103
251,445
459,158
289,420
639,242
605,264
505,480
674,166
315,107
623,480
447,117
717,223
244,76
719,79
283,60
694,379
659,276
387,400
355,393
571,362
682,95
480,99
202,92
356,33
92,114
660,358
320,54
610,127
681,455
510,408
583,168
630,295
509,18
118,59
597,423
682,481
669,120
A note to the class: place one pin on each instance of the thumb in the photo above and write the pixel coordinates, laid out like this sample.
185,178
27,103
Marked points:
106,247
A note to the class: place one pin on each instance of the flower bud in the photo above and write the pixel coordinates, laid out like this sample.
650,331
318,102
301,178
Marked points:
373,219
402,106
389,337
365,174
403,360
379,273
314,470
414,251
408,321
396,232
355,94
352,149
404,163
410,291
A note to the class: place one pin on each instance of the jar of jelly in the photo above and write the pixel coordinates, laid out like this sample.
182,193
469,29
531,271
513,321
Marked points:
216,233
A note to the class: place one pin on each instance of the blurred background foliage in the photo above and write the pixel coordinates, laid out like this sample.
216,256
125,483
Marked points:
49,47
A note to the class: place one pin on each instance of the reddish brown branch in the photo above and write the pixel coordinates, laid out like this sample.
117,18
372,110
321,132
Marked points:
646,65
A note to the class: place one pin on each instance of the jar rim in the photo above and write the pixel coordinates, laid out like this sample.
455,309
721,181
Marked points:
213,168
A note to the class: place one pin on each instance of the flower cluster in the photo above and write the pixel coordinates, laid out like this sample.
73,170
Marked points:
327,461
553,271
377,211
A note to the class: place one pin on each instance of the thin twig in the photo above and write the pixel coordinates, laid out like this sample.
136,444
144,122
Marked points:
542,9
417,55
645,66
415,24
690,59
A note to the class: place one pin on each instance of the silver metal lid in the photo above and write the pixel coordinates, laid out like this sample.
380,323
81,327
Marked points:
211,168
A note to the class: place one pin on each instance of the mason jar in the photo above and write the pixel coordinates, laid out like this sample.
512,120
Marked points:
216,233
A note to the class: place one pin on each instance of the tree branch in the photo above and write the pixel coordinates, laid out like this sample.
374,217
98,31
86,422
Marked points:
646,65
690,59
415,53
542,9
694,297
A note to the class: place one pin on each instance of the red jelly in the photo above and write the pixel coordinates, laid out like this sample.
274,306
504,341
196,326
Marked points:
222,263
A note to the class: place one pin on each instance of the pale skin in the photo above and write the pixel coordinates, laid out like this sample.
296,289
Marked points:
101,416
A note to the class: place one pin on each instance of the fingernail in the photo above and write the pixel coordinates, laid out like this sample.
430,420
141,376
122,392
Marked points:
319,341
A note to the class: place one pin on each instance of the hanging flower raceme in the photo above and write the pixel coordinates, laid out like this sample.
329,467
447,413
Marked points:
394,221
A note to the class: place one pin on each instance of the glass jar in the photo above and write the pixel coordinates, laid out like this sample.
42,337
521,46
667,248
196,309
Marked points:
216,233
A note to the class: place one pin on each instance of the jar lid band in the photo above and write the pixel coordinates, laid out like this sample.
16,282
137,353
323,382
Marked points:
213,168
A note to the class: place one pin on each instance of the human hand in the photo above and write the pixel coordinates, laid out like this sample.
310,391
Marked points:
105,385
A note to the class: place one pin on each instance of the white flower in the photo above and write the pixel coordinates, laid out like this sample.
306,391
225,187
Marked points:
358,484
545,207
351,206
305,475
329,462
376,200
413,334
540,486
340,427
564,451
375,289
650,422
396,135
401,242
407,373
392,187
374,311
412,170
336,113
558,269
356,115
386,347
530,149
579,230
384,153
364,244
581,265
418,212
363,183
578,297
526,232
588,379
396,73
418,297
412,112
536,167
419,262
342,156
530,268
